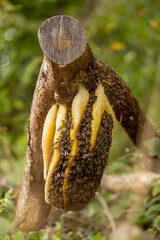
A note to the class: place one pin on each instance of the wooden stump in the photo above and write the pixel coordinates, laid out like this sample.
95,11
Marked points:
62,39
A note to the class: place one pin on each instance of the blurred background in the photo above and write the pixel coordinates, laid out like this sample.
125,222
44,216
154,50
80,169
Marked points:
124,34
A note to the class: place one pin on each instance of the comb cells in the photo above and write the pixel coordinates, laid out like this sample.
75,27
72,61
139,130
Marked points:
75,143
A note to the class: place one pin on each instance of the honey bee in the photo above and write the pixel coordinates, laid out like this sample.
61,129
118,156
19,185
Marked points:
81,134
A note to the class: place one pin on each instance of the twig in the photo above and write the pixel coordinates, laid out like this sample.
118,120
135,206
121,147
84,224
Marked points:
114,197
107,212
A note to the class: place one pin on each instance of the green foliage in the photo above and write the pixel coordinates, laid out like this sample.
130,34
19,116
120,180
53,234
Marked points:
6,204
150,217
97,237
71,233
42,235
6,209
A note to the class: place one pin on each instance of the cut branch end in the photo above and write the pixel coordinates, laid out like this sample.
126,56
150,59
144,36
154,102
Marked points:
62,39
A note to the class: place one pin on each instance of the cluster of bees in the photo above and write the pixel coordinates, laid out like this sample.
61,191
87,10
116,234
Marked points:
74,188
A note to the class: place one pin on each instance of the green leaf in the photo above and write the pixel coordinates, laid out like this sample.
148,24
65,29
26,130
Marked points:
1,207
58,226
58,236
152,201
97,237
5,225
153,182
8,194
78,238
4,237
18,235
7,205
153,209
71,233
156,190
156,221
33,236
3,190
142,219
42,235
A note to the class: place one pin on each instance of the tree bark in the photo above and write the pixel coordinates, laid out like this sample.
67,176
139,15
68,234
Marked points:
68,60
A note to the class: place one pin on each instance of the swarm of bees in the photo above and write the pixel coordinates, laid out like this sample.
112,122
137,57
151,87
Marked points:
76,140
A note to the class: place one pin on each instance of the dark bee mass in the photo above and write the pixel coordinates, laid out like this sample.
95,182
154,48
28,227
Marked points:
56,188
87,167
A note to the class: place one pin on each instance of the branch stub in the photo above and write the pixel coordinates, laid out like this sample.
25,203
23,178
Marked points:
62,39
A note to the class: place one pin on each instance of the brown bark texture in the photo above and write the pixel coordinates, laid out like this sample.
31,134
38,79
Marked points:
68,60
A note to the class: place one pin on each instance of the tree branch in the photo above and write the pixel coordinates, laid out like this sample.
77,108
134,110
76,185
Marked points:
137,182
68,60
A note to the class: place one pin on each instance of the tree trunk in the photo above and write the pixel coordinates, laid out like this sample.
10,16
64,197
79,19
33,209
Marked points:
67,57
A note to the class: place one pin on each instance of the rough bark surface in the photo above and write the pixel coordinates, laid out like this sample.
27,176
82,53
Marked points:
32,210
64,43
125,105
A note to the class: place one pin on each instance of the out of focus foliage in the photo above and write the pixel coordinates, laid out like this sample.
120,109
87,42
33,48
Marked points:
6,209
150,217
124,34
